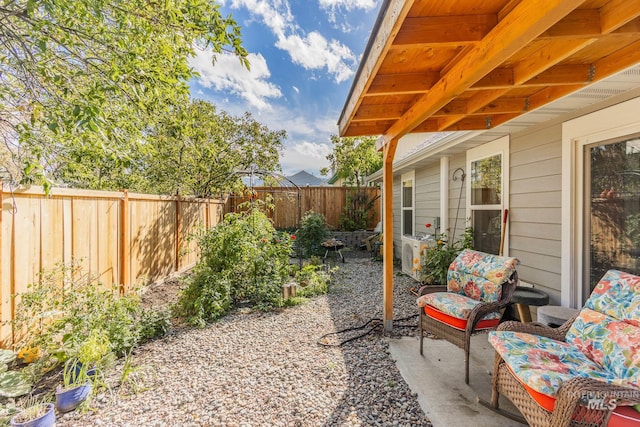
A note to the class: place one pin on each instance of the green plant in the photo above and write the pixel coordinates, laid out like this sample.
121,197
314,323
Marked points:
67,308
357,211
313,280
12,383
312,232
243,259
436,259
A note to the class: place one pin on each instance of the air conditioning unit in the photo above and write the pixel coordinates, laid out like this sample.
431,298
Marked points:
410,253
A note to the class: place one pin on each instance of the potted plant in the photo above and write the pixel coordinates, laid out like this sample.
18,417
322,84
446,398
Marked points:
80,371
34,414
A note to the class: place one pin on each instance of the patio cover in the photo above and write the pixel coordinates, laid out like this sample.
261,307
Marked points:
433,65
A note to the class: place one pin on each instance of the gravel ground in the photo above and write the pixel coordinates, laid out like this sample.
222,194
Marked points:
267,369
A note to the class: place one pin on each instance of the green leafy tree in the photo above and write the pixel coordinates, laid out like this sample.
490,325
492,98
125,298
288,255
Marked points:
196,149
354,158
82,79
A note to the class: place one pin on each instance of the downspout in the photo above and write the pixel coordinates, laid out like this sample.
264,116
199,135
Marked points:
444,197
387,236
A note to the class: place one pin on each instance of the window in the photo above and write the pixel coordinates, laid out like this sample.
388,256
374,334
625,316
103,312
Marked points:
608,135
407,202
487,193
611,209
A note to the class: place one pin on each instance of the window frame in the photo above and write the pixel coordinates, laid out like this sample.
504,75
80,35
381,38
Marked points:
408,176
617,121
500,147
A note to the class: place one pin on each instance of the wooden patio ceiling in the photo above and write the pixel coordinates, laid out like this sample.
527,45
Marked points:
434,65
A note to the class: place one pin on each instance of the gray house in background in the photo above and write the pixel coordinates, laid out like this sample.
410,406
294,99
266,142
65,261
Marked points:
528,108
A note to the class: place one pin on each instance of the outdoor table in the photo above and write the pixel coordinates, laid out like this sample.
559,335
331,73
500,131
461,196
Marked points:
523,297
333,245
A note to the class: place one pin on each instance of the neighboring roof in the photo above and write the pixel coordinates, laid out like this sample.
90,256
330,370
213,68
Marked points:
334,178
434,66
304,179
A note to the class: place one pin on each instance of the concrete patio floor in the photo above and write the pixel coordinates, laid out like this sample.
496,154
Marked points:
438,379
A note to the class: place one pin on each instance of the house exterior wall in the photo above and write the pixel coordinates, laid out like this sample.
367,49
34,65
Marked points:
535,205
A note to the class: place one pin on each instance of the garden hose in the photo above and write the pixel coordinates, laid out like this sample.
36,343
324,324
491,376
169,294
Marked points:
377,324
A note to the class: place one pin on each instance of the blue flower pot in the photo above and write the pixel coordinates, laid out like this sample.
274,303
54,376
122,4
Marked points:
69,399
46,420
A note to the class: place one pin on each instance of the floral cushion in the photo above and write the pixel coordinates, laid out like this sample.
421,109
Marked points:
542,363
602,343
454,305
607,329
479,275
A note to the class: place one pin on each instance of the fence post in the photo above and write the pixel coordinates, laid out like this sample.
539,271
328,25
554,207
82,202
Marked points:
125,244
178,240
207,213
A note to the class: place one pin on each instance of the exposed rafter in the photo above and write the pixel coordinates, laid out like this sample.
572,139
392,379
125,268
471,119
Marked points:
434,66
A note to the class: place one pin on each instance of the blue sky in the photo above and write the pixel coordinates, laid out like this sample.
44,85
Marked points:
304,55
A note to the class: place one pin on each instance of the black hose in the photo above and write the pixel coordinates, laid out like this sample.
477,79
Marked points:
377,324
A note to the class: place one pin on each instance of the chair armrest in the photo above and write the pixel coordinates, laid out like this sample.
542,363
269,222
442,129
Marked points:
428,289
533,329
593,394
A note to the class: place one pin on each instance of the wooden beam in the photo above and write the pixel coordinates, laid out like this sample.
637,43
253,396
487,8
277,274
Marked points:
579,23
561,75
504,105
431,125
551,94
477,101
546,57
384,34
404,83
442,30
617,61
387,233
367,128
481,122
496,79
616,13
523,24
379,112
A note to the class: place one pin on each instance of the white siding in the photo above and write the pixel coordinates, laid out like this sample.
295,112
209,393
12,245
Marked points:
427,197
535,207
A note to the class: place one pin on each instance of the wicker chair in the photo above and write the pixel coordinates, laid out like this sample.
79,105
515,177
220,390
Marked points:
584,373
478,286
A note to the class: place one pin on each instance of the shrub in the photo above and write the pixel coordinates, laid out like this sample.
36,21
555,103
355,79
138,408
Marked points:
436,259
243,259
312,232
65,308
313,280
358,210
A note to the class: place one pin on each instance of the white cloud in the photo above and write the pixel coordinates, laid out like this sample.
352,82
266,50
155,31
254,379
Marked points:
305,155
312,51
228,74
348,4
334,7
296,89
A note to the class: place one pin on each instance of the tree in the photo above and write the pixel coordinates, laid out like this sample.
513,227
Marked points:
196,149
354,158
86,78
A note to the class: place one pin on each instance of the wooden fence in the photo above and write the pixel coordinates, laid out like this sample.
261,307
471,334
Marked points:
329,201
122,238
